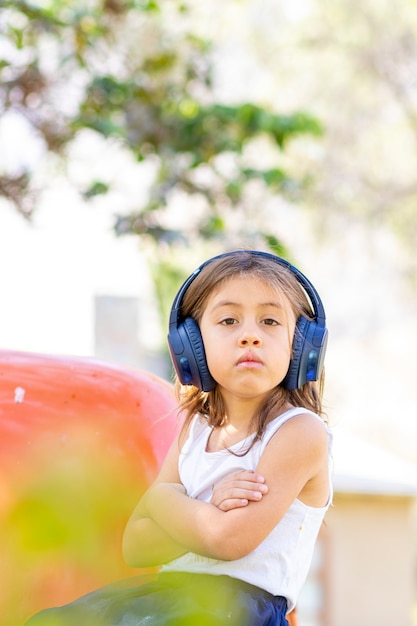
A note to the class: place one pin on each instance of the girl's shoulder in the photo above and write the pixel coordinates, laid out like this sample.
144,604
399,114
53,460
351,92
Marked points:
198,427
275,424
289,414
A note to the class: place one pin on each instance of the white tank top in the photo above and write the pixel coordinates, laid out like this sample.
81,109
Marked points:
281,562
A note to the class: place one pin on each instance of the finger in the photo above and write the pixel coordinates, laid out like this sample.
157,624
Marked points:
238,489
248,475
246,486
233,503
244,495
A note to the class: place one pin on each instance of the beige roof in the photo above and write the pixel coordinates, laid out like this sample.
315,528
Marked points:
361,467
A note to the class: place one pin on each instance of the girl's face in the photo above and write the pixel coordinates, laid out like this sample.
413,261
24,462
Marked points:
247,329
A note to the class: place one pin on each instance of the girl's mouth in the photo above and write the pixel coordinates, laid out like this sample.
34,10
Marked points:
249,361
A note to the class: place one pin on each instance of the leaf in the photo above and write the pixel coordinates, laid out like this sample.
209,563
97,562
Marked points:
275,245
212,227
97,188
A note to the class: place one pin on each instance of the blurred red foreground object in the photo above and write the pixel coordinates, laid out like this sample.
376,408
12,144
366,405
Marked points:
80,440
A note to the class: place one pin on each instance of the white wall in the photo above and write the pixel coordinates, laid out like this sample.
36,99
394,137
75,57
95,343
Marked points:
53,269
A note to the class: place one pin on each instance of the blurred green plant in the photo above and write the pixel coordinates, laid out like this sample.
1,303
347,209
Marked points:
133,72
62,529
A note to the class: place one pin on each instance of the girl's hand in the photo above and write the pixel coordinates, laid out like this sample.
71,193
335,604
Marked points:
237,490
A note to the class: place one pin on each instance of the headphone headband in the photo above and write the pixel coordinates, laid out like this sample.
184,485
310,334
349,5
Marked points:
318,307
309,346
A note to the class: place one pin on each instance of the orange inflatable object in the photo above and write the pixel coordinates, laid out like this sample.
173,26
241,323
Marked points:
80,440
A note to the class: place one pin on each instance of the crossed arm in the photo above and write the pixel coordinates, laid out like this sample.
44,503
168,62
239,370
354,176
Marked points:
245,507
146,543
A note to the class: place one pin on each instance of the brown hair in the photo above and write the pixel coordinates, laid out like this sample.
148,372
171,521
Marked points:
212,276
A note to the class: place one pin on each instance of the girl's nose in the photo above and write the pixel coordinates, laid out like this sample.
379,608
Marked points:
249,337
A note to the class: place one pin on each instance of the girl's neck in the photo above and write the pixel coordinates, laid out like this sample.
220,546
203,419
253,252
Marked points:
239,412
236,428
223,437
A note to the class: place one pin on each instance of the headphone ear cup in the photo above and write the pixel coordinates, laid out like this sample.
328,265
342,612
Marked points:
205,380
291,380
191,364
308,351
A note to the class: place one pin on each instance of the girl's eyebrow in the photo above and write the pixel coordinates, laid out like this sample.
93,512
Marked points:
223,303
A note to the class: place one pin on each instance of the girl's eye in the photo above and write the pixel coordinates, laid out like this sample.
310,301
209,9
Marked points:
270,322
228,321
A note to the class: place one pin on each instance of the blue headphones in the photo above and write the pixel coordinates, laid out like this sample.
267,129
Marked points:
309,345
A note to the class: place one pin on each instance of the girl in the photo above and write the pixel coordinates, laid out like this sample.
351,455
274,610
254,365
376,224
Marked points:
235,511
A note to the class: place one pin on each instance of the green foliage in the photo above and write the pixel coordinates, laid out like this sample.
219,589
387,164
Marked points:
61,528
275,245
133,72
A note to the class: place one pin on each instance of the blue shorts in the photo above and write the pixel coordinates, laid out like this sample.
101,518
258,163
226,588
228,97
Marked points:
171,599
